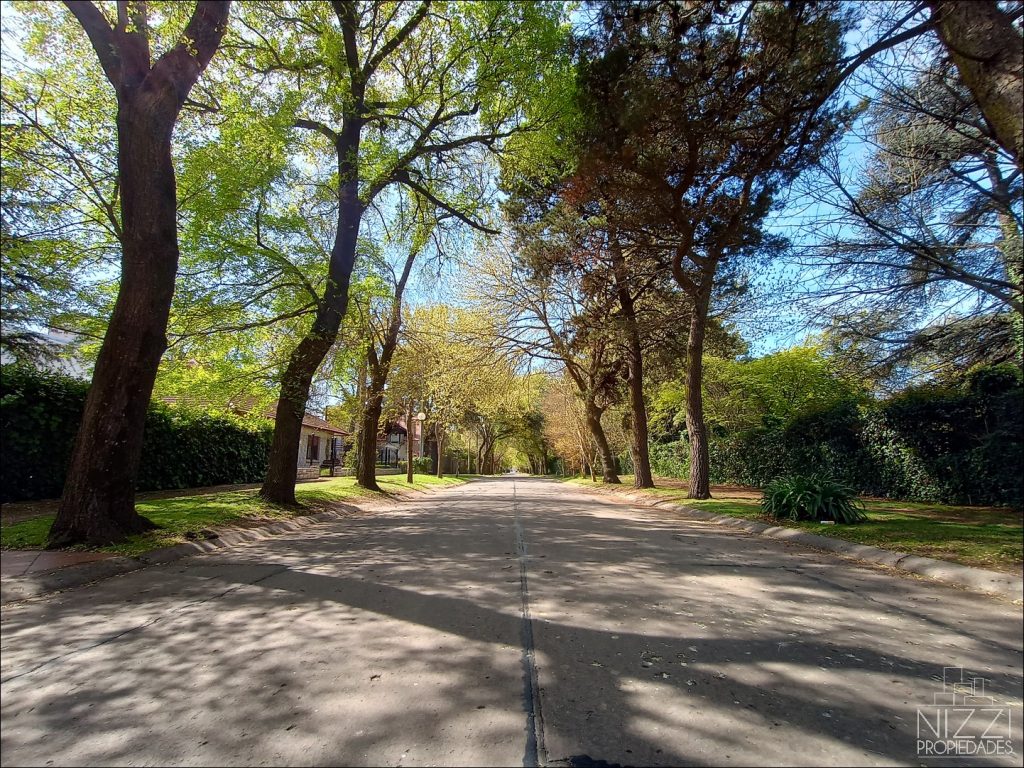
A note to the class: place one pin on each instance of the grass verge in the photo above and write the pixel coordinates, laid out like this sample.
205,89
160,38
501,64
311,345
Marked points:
183,517
983,537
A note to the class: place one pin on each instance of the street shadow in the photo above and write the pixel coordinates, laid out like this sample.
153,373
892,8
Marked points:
383,632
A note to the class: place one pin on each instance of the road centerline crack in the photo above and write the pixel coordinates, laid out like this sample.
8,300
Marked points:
535,753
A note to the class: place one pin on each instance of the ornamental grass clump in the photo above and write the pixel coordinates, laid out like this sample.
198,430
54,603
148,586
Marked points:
812,497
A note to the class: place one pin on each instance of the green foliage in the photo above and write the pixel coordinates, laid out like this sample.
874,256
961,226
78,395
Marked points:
957,444
769,390
421,465
669,459
39,416
954,444
812,497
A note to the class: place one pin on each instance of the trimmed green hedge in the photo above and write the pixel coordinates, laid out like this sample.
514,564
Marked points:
39,416
954,445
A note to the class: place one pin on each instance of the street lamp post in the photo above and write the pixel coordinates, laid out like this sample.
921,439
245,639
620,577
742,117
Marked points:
421,417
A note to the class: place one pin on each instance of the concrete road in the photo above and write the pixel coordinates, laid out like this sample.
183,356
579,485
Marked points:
506,622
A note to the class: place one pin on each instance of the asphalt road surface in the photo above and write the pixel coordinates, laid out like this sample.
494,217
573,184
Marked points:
510,621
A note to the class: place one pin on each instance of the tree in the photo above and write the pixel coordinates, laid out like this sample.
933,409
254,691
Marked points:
98,502
927,231
988,51
404,96
384,335
548,315
706,115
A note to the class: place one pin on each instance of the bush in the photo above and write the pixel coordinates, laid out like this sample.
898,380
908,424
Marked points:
422,465
954,444
812,497
39,416
669,459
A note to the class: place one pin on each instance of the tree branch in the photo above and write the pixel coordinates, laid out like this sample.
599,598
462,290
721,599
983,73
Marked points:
388,47
100,35
402,176
313,125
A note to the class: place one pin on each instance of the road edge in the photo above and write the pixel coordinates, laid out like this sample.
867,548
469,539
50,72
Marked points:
18,588
992,583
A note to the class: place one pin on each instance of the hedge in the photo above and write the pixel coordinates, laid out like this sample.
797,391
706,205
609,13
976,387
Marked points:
954,445
39,416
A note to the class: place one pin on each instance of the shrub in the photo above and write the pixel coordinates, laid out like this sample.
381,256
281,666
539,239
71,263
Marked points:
669,459
811,497
422,465
39,416
953,444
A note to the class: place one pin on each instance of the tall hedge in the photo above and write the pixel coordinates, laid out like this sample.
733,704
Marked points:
957,444
39,416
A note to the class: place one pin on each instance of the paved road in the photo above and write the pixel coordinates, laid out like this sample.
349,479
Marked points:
506,622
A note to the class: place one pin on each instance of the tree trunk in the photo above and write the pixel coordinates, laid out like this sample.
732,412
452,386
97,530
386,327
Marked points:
696,429
643,477
98,503
608,473
380,367
640,434
987,50
369,431
279,486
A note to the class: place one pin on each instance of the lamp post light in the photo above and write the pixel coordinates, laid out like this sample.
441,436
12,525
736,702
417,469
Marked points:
421,417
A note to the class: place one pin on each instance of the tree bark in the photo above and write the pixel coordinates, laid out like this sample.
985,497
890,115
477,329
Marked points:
989,55
279,485
98,503
379,365
640,433
608,473
696,429
370,431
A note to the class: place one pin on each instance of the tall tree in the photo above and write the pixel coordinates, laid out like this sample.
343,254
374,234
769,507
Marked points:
988,50
547,314
98,502
384,334
925,231
403,94
707,114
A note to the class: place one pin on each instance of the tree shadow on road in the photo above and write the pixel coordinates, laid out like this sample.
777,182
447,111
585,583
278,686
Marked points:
659,642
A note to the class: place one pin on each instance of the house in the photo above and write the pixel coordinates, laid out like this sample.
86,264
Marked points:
393,442
319,443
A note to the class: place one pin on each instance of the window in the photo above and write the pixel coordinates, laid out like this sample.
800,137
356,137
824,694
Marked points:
313,448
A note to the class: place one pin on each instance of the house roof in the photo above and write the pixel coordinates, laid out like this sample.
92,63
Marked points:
315,422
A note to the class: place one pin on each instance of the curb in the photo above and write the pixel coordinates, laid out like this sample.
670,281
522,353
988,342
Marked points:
978,579
17,588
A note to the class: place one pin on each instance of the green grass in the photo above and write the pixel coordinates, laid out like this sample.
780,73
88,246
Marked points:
984,537
182,516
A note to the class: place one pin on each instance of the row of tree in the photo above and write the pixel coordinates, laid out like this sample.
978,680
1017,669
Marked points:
312,118
693,122
243,194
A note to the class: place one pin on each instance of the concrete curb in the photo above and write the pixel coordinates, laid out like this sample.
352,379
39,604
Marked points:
13,589
989,582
